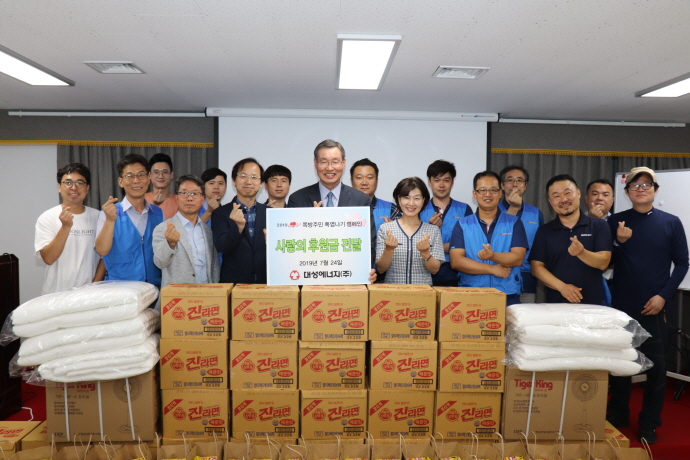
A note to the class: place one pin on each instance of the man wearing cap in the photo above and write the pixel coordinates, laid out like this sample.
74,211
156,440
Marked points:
646,242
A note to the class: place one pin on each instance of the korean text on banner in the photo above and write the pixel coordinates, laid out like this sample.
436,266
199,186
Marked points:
318,246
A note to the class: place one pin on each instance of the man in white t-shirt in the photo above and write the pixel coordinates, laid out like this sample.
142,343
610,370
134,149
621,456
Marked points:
65,234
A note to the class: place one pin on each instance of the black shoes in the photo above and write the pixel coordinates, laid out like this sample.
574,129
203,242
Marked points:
648,435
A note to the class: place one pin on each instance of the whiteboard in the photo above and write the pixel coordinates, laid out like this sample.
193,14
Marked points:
671,198
400,148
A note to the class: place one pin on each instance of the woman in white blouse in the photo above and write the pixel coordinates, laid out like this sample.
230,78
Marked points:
408,250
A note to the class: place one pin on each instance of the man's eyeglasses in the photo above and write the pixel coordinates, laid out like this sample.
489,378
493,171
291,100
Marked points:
130,177
325,163
490,191
253,177
510,180
194,195
70,183
636,187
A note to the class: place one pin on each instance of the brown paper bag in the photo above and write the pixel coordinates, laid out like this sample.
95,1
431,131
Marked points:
235,450
293,452
174,452
417,451
323,451
38,453
139,451
602,452
103,451
206,451
632,453
73,452
269,451
355,452
541,452
385,451
572,451
511,450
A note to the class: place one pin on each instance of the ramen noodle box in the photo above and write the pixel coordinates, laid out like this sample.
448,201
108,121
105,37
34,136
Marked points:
335,313
194,363
195,311
267,364
471,366
403,365
471,314
460,414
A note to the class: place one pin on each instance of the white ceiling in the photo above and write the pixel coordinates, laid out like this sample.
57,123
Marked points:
556,59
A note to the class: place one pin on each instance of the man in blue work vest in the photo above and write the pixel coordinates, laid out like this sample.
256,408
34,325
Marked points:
444,212
488,247
514,180
125,230
364,176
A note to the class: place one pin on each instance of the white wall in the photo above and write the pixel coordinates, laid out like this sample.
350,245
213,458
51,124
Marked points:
400,148
29,187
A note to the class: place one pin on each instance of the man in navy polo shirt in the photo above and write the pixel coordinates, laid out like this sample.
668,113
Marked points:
571,252
488,247
647,243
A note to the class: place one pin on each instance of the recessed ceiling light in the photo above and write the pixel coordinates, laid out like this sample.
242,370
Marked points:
673,88
114,67
364,60
21,68
456,71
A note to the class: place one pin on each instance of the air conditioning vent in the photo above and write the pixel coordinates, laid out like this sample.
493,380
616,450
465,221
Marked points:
111,67
452,71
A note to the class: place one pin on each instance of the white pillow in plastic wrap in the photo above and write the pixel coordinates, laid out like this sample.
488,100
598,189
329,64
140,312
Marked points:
86,339
132,294
617,367
528,351
99,362
559,314
555,336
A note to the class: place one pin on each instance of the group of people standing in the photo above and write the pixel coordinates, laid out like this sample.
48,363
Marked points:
422,236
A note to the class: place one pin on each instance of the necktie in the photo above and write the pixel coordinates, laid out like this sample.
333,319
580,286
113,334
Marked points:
329,203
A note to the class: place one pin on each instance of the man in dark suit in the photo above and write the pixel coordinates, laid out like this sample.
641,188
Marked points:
329,191
238,228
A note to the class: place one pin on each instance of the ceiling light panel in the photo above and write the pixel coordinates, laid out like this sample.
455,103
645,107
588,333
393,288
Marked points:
21,68
673,88
364,60
455,71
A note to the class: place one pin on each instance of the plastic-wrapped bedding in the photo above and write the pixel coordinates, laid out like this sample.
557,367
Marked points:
612,338
132,295
616,367
85,339
531,352
119,363
589,316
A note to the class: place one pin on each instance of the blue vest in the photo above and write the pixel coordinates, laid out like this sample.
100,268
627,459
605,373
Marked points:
456,212
501,239
382,209
530,220
131,256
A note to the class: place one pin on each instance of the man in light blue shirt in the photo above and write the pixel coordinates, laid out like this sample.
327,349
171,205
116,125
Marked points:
183,245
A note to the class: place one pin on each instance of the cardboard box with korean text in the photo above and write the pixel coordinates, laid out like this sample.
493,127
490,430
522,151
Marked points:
193,363
332,365
402,312
403,365
471,314
272,413
335,313
195,311
471,366
116,402
38,437
614,435
195,413
11,435
256,365
408,413
459,415
261,312
585,406
329,413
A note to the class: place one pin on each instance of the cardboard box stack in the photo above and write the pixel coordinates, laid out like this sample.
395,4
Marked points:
471,327
263,361
332,367
195,324
403,360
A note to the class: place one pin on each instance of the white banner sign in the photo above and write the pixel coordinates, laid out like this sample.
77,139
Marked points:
318,245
